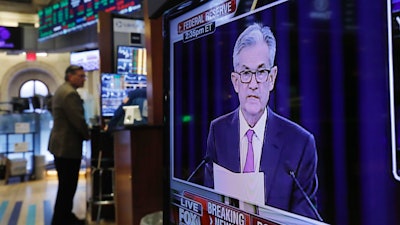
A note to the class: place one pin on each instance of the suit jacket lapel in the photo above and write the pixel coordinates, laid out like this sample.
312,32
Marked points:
229,152
271,151
235,143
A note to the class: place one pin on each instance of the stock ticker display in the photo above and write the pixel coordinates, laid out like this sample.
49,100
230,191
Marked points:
70,15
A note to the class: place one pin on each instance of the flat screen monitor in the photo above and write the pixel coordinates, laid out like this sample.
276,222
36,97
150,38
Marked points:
10,38
89,60
209,110
114,88
20,105
131,59
337,68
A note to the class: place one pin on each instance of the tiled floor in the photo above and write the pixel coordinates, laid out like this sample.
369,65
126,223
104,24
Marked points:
31,202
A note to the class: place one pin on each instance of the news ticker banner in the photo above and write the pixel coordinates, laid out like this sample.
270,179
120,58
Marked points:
202,21
191,209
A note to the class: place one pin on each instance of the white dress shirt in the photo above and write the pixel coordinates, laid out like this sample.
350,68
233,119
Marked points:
258,139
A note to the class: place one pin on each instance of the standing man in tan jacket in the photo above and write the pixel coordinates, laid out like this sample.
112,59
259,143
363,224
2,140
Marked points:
68,133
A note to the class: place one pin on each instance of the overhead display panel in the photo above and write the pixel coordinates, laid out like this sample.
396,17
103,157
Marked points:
71,15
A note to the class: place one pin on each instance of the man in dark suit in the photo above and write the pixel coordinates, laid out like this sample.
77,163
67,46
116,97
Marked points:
66,137
278,146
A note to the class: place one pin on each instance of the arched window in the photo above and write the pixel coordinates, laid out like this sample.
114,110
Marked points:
33,88
35,92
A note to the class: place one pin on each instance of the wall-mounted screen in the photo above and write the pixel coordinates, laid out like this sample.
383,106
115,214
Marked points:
70,15
215,49
335,71
228,165
89,60
10,38
114,88
131,59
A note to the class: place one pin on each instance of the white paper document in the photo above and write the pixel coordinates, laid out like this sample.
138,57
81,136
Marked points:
247,187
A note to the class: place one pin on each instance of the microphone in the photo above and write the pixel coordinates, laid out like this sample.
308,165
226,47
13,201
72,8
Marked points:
205,160
296,181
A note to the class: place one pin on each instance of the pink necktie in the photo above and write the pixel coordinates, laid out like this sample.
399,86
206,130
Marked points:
249,165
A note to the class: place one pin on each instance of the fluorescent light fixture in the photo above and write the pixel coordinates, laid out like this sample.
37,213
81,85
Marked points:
42,54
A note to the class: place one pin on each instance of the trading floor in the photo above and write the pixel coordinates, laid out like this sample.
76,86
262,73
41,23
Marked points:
31,202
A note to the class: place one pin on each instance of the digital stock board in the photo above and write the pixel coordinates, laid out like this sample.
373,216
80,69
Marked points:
71,15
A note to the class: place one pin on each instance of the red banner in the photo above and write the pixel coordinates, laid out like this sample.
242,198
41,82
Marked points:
191,209
212,14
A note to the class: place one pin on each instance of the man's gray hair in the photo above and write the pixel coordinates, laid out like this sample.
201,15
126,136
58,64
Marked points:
252,35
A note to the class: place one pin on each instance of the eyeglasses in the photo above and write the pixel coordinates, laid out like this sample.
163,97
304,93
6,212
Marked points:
261,75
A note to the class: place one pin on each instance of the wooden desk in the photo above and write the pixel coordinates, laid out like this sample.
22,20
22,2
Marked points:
138,163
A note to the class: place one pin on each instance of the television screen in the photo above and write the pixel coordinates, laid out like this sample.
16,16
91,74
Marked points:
131,59
336,65
114,88
10,38
214,48
89,60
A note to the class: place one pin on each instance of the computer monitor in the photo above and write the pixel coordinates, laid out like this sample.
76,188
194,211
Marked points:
89,59
114,88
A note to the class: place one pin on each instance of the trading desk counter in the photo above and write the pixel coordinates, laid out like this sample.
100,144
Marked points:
138,159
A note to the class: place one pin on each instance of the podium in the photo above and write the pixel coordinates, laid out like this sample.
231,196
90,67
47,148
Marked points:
138,164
